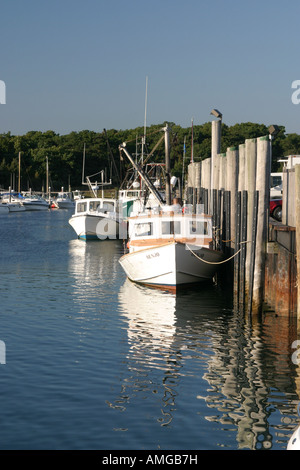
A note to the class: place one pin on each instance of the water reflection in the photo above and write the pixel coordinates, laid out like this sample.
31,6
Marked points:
248,382
93,266
190,357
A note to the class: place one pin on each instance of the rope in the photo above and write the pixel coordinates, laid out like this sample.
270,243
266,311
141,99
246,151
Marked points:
219,262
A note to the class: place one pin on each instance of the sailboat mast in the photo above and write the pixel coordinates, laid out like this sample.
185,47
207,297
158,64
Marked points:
183,157
47,177
192,145
19,181
83,164
167,163
145,119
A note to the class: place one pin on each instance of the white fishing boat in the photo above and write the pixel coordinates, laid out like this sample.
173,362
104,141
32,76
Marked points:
170,248
33,202
64,200
95,218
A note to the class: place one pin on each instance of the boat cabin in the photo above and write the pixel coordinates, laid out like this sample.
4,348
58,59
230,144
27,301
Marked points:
95,205
155,229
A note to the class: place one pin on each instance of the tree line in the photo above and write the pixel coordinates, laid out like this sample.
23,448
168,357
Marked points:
65,152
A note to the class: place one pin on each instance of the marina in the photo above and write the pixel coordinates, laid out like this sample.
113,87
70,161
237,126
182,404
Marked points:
94,361
150,228
186,300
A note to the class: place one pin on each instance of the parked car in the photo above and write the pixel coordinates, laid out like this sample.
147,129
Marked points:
276,209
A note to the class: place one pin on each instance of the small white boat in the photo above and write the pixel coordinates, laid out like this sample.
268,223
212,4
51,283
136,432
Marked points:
65,201
13,203
15,206
34,203
95,218
170,248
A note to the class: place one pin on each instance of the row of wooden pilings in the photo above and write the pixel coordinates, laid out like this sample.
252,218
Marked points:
235,188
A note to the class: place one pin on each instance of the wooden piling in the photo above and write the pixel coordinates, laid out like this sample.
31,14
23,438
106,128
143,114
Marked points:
232,186
250,169
262,187
297,204
236,186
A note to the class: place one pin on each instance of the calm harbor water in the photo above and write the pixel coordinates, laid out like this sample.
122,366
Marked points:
96,362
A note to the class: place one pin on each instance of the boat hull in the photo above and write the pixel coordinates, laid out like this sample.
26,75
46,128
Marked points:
4,209
65,204
15,207
171,265
32,206
95,227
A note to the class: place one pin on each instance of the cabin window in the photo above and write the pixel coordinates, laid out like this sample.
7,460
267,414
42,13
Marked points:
143,230
81,207
276,180
108,206
171,227
198,227
132,194
94,206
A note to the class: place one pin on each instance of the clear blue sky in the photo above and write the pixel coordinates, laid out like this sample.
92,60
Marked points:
72,65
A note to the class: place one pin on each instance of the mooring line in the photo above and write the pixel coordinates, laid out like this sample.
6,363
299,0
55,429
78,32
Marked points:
217,262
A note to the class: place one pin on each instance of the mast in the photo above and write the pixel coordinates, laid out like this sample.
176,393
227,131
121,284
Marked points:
47,177
168,167
83,164
144,136
183,157
19,182
192,145
142,174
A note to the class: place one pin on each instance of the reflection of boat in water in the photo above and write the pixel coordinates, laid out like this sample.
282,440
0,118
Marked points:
164,331
199,336
4,208
93,266
151,308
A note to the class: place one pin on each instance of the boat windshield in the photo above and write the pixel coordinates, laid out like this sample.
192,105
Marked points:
108,206
81,207
198,227
175,227
171,227
94,205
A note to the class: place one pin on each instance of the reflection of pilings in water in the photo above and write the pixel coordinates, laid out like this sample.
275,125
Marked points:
241,372
243,388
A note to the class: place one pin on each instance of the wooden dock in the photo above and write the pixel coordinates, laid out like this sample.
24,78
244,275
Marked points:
235,188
